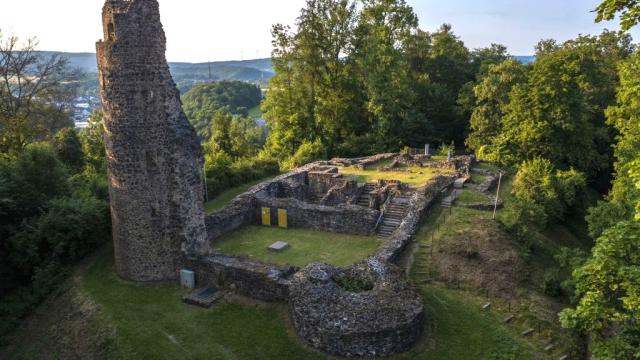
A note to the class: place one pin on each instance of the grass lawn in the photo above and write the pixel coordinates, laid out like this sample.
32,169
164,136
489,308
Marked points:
255,112
150,322
413,178
307,246
225,198
472,196
477,178
487,166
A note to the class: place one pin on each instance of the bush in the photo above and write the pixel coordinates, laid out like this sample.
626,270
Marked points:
537,182
222,173
306,153
551,283
68,149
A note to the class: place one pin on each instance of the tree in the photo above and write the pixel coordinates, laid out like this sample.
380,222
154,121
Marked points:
35,92
558,112
490,99
68,147
92,139
608,286
204,100
624,117
384,33
629,11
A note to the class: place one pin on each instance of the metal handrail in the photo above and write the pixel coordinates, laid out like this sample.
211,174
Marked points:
384,208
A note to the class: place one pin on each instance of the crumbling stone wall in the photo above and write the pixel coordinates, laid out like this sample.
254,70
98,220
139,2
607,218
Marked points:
154,157
246,276
384,320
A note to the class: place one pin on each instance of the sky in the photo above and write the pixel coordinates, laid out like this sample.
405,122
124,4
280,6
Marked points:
217,30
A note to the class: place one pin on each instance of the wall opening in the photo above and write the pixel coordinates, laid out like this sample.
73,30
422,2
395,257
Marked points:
111,32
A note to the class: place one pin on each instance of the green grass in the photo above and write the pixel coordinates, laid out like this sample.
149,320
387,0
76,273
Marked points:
472,196
307,246
255,112
414,178
225,198
151,322
487,166
477,178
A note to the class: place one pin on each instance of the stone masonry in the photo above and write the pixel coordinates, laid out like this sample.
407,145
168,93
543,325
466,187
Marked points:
154,156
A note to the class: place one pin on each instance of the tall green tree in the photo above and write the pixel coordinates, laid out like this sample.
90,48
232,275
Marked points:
558,113
384,32
68,147
489,101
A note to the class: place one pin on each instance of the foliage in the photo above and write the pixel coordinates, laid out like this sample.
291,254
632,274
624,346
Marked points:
608,285
68,149
625,118
237,136
629,11
537,182
552,283
204,100
491,98
93,145
444,149
354,285
35,94
306,153
558,110
223,173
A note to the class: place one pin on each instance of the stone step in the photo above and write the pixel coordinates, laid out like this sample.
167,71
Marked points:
508,319
527,332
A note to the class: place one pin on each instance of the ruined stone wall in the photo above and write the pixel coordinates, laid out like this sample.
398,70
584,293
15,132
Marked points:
321,182
247,277
346,219
154,157
422,202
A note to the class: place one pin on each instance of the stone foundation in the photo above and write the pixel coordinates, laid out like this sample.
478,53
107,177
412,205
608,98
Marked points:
381,321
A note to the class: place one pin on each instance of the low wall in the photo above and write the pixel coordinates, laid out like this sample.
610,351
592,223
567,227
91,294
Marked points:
346,219
248,277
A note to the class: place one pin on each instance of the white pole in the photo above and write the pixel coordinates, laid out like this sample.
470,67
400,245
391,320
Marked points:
495,206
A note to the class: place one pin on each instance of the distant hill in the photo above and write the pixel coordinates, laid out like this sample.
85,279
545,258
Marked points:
526,59
185,75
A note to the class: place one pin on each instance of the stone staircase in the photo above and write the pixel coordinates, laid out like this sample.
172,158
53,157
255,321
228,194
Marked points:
447,202
363,200
395,212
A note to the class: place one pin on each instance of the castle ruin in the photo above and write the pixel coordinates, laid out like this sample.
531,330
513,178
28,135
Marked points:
154,157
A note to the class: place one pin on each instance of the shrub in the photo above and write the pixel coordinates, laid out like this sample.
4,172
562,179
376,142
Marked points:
222,173
306,153
551,283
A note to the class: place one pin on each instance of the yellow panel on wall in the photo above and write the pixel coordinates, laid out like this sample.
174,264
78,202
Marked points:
282,219
266,216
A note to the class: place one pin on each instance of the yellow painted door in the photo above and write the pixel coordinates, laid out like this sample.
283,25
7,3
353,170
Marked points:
282,219
266,216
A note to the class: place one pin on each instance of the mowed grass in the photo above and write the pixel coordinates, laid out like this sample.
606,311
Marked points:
225,198
255,112
472,196
151,322
414,178
307,246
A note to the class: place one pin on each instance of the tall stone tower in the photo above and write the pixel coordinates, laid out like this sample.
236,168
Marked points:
154,156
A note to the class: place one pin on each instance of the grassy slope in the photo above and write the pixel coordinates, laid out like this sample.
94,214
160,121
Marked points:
307,246
255,112
472,196
225,198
